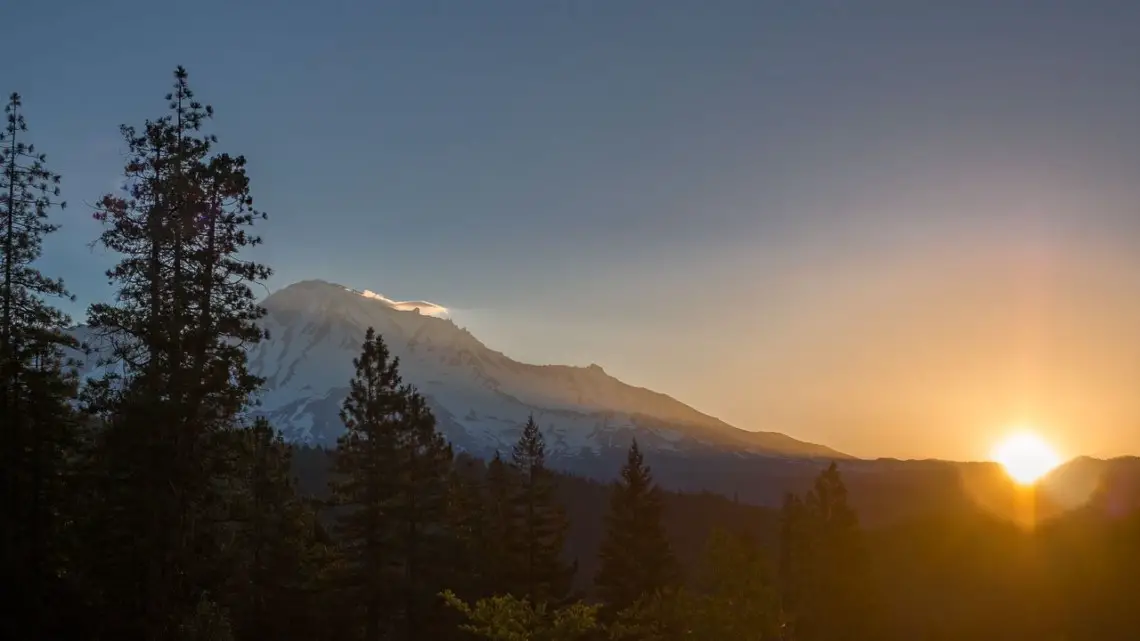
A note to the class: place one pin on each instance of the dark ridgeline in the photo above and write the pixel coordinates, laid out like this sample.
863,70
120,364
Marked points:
149,505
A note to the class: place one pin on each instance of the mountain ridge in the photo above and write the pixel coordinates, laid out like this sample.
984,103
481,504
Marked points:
480,396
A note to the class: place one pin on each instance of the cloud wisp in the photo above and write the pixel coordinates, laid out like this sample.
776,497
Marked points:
425,307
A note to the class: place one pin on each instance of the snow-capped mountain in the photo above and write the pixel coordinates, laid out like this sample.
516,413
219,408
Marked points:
480,397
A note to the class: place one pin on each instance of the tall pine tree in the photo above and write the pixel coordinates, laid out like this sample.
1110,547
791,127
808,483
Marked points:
175,334
824,567
636,559
419,516
793,555
466,542
364,487
36,423
393,478
498,555
740,599
539,522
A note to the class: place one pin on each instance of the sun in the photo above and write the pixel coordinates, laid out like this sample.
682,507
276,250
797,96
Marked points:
1026,457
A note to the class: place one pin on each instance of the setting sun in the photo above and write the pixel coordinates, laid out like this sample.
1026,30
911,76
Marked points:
1026,457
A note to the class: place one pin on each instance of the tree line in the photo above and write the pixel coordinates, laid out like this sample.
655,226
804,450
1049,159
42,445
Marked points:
149,502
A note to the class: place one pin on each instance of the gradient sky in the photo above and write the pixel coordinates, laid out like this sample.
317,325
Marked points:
894,228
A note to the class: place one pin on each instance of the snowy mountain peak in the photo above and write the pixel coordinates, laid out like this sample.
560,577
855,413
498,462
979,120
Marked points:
480,397
326,293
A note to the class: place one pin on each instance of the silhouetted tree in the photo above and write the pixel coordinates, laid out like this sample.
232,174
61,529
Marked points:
636,559
499,556
36,422
176,334
466,570
741,597
364,485
824,567
734,598
419,515
272,564
539,523
394,472
794,540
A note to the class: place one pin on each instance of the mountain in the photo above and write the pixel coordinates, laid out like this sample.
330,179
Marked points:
480,397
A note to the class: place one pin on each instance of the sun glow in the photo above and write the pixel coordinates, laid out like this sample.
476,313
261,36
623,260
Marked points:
1025,457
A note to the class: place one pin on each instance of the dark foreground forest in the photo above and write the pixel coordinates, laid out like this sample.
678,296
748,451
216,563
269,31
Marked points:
147,503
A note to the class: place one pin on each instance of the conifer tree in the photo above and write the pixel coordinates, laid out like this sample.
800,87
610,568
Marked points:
636,559
733,598
740,598
419,513
824,567
466,567
176,333
793,554
540,523
271,566
394,472
36,423
498,557
364,486
185,309
28,191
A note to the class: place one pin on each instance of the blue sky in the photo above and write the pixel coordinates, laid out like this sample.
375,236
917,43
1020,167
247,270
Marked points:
797,216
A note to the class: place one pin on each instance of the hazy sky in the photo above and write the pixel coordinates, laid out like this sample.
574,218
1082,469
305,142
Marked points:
894,228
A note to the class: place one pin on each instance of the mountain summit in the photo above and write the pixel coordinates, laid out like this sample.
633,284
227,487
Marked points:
480,396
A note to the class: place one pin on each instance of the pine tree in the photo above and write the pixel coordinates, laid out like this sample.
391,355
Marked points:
271,570
183,315
636,559
827,503
740,599
36,424
824,568
364,486
794,543
498,555
28,191
734,598
464,561
419,513
394,471
539,522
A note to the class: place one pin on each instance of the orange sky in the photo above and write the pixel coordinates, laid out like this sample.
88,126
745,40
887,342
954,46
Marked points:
934,349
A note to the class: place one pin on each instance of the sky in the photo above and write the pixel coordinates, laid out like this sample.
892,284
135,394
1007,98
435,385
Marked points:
895,228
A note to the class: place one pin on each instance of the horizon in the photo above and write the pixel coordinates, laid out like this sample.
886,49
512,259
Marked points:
897,233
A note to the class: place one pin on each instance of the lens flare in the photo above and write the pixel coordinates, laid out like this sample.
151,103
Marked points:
1026,457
